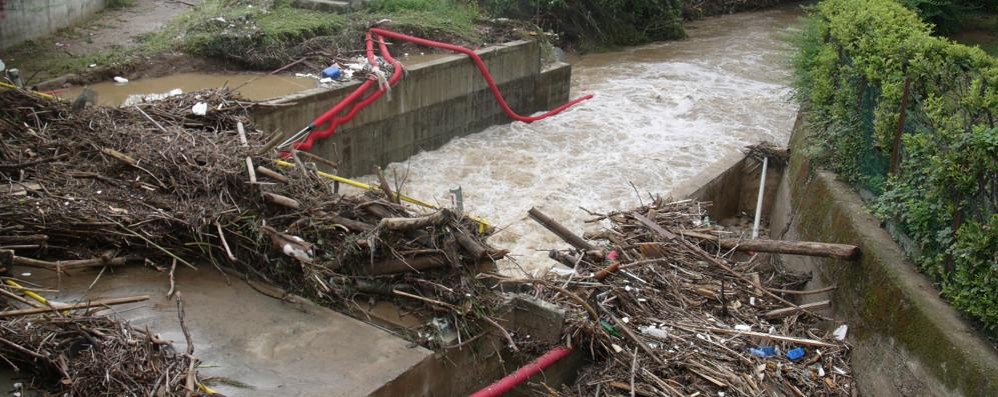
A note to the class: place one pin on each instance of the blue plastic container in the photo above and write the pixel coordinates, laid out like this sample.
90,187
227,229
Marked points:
332,72
763,351
796,354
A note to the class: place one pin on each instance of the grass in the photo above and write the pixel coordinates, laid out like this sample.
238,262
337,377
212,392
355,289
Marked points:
256,34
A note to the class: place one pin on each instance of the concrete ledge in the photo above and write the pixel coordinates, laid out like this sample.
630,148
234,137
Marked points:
436,102
907,340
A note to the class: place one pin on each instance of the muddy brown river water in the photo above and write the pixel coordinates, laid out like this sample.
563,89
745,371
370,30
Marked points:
662,112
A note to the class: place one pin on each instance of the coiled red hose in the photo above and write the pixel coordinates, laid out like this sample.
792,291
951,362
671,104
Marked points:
330,115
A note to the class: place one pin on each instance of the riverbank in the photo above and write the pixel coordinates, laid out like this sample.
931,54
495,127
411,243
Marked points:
147,38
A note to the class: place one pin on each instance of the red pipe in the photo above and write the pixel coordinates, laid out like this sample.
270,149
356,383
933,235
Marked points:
334,122
485,73
504,385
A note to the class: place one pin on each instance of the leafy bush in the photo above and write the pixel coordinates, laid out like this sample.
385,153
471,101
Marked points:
600,22
852,64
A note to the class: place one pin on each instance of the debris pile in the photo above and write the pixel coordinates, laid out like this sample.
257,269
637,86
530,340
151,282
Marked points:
85,354
160,185
667,313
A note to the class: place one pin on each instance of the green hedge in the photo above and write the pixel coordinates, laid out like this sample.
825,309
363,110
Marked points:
851,67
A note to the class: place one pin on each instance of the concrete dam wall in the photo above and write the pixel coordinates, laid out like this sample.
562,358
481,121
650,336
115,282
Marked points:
23,20
435,102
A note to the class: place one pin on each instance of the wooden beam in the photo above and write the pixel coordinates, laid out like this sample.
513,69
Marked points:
559,230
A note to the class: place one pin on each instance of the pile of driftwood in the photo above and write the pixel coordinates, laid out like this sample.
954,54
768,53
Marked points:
665,309
162,186
88,354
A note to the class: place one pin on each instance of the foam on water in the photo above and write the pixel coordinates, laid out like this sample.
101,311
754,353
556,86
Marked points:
661,113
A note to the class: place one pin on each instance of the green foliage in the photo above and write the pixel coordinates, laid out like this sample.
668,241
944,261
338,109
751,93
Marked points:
600,22
850,69
443,19
112,4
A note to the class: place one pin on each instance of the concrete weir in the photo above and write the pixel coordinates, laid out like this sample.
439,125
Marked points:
435,102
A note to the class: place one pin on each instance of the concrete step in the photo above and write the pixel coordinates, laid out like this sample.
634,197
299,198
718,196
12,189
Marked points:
278,348
323,5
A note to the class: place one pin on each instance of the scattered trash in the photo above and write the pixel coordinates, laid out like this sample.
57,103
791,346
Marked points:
332,72
767,351
840,332
120,80
743,327
795,354
200,108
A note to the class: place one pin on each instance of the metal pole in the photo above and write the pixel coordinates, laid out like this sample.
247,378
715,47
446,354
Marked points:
758,201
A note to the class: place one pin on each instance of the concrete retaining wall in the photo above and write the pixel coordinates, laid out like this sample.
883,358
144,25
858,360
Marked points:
23,20
907,341
436,102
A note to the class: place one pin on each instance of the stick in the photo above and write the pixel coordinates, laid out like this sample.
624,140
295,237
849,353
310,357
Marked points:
791,310
512,344
791,339
249,160
416,264
426,300
225,244
269,173
806,292
173,285
559,230
150,118
385,187
77,306
318,159
281,200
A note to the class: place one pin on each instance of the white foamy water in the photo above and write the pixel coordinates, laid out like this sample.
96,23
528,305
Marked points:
661,113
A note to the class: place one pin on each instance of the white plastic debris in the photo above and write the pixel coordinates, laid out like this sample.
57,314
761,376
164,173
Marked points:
325,80
92,65
626,320
743,327
220,19
751,300
840,332
200,108
25,274
654,331
120,80
616,348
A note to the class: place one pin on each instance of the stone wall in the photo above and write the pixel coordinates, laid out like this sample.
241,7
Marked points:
23,20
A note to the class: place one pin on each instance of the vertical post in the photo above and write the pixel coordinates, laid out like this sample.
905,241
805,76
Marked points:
758,200
896,145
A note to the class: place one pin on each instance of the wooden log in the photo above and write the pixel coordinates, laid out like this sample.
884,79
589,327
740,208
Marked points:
33,238
281,200
559,230
269,173
69,264
564,258
438,218
414,264
654,226
351,224
77,306
807,248
474,249
124,158
791,310
385,187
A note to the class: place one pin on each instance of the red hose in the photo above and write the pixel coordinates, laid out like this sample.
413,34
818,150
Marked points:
504,385
485,73
330,115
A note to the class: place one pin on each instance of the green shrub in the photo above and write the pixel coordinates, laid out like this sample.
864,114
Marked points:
850,68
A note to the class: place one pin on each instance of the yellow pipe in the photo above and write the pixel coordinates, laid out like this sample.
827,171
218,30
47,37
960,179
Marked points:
26,291
39,94
483,225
